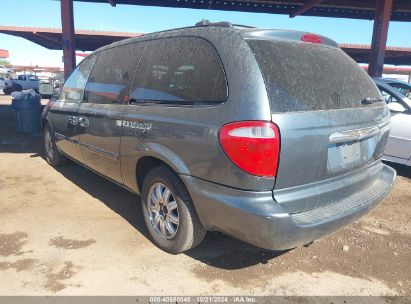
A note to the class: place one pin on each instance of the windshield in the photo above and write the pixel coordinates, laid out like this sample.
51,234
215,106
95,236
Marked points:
306,77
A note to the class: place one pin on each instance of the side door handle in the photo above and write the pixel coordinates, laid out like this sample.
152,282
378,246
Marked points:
73,120
83,122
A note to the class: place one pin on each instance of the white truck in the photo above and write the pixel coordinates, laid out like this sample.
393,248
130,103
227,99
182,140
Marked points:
2,82
23,82
5,70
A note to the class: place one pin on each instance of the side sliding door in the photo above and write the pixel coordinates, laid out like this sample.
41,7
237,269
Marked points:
102,110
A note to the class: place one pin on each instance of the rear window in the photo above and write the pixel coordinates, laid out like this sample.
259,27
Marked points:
308,77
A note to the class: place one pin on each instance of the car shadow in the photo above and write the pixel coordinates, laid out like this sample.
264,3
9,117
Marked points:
217,249
402,170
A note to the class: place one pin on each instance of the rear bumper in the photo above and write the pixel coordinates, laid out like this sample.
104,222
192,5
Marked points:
256,218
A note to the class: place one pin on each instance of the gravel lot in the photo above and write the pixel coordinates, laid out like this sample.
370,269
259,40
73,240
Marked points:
71,232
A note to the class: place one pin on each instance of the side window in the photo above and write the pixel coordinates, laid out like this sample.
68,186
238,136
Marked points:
73,89
33,78
21,77
109,82
180,70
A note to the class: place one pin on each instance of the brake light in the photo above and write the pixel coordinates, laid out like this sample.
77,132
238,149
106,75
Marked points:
253,146
312,38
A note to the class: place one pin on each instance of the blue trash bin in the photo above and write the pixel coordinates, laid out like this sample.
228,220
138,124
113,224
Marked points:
26,106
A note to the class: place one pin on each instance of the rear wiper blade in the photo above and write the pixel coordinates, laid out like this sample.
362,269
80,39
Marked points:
370,100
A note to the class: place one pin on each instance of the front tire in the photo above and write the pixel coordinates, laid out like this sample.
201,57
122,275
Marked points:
169,213
53,155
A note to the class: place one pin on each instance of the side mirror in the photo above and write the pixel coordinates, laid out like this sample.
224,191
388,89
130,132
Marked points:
396,107
46,90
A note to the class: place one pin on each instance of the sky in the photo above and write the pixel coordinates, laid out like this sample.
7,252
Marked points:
131,18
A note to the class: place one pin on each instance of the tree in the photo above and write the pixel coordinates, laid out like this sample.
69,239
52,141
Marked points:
5,62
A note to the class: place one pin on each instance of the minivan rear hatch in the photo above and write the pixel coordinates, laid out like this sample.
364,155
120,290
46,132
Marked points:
332,120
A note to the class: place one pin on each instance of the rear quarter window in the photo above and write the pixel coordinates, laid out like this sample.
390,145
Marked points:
180,70
306,77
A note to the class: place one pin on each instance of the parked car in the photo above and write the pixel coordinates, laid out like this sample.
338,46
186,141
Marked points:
222,127
23,82
5,70
403,87
398,148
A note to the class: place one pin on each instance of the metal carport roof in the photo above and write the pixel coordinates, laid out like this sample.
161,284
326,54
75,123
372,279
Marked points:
51,38
86,40
359,9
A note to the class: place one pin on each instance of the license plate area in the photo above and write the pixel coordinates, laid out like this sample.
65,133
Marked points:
351,154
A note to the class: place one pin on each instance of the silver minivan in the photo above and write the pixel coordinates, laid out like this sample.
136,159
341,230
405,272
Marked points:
274,137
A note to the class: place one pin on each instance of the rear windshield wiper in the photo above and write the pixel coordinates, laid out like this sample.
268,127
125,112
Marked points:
370,100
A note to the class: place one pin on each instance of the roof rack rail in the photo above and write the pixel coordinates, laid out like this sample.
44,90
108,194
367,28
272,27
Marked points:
206,22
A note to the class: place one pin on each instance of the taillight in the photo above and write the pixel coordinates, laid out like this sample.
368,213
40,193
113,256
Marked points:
312,38
253,146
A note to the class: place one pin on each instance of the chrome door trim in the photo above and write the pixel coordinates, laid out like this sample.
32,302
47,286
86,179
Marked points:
91,148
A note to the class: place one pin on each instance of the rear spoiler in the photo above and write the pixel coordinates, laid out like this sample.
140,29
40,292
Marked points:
288,35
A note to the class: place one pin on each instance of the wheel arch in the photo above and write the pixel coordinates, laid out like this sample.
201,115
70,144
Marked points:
150,161
144,157
144,165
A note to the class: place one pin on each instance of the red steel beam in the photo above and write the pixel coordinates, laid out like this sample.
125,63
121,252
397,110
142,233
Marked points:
305,7
379,37
69,47
4,53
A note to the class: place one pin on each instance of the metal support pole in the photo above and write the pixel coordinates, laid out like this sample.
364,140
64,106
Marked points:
379,37
67,25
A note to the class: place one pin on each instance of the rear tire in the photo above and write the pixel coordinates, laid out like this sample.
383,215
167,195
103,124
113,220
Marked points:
7,91
169,213
53,155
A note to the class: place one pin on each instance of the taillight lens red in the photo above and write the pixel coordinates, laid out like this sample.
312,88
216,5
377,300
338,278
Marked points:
312,38
253,146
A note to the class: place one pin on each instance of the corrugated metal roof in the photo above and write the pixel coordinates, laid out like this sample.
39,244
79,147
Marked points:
360,9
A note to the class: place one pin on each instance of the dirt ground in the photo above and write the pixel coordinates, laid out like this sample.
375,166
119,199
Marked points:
71,232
